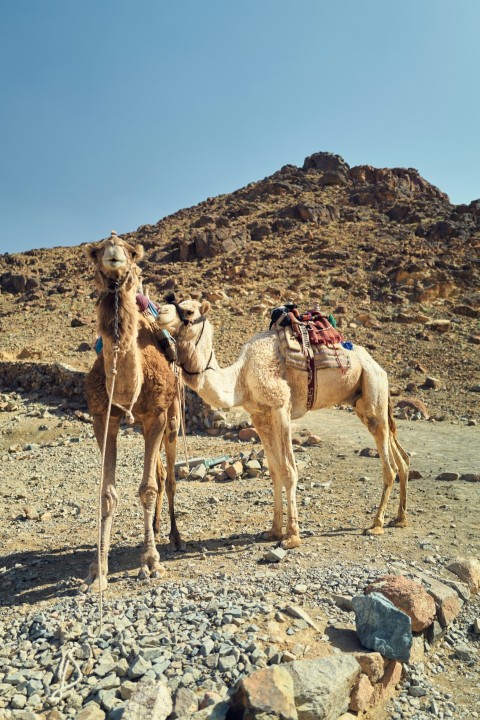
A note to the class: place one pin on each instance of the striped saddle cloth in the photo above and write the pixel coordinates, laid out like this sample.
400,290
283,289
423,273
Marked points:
321,356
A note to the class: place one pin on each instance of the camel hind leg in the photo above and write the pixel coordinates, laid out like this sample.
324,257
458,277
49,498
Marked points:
170,441
374,410
168,475
402,462
153,432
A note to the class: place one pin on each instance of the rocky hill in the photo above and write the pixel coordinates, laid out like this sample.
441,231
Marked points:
387,252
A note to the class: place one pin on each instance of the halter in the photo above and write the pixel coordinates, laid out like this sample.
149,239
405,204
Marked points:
186,322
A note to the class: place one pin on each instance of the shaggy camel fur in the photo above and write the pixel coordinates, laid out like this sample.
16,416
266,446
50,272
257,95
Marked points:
145,389
274,394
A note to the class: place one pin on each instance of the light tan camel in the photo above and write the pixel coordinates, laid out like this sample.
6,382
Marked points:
274,394
145,390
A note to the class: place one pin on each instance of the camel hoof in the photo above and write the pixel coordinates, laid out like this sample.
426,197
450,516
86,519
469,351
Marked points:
178,544
375,530
398,522
159,572
270,535
143,573
93,585
291,542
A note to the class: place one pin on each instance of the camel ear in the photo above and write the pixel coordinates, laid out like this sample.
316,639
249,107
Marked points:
90,252
204,307
138,253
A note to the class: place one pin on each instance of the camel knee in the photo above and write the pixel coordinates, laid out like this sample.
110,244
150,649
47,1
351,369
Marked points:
109,502
148,497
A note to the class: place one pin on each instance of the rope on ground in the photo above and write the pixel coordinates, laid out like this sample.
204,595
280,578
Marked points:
59,693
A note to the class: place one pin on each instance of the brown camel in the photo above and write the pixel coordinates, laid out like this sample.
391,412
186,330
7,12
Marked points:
145,389
274,394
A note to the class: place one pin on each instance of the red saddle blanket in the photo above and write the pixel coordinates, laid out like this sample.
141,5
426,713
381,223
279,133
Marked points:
320,329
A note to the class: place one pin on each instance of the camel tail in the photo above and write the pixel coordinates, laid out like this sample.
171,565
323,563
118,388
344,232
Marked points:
391,420
392,425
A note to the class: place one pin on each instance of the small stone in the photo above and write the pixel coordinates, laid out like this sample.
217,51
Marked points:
465,653
368,452
299,613
372,664
476,626
18,702
253,468
274,556
91,711
234,470
432,382
300,589
470,477
138,667
361,694
248,435
198,472
448,476
313,440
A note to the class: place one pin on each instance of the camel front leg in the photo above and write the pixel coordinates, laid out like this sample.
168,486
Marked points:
153,429
275,433
170,441
160,473
98,571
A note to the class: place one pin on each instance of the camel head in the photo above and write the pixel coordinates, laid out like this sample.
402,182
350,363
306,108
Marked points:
186,317
115,261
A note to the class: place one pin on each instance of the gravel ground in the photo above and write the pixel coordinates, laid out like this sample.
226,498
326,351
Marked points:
221,610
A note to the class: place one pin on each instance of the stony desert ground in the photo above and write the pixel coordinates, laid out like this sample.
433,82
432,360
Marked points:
397,264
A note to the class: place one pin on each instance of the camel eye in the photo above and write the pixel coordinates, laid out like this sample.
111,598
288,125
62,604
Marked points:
189,312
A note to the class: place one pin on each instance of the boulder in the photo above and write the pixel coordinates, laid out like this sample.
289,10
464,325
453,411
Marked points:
322,687
267,693
414,404
150,701
447,599
383,627
408,596
328,162
468,570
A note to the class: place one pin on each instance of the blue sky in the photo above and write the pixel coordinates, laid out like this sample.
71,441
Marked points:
115,113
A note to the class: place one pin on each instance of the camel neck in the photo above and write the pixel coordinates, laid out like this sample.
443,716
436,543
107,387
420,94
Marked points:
128,377
216,386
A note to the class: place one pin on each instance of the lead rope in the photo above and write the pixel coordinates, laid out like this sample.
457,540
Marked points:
116,349
67,657
181,403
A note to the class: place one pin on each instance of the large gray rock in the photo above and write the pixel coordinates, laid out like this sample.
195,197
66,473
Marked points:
383,627
322,686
